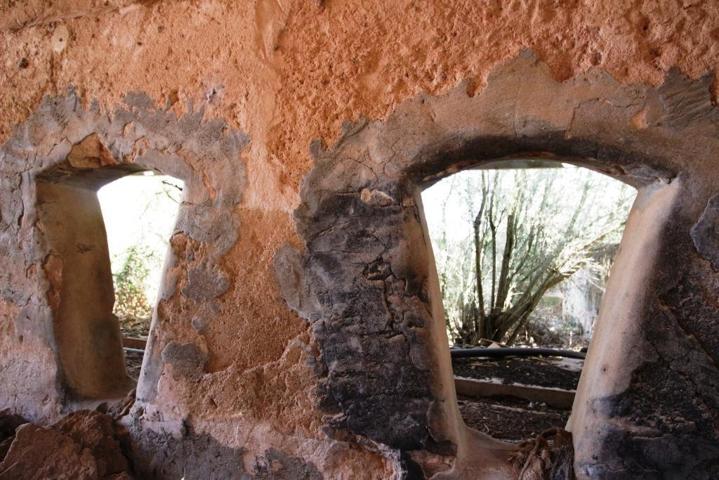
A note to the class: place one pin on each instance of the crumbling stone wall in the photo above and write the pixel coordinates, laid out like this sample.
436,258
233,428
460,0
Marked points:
298,333
63,149
365,281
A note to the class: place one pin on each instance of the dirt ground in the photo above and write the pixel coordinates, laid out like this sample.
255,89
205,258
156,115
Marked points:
510,418
541,371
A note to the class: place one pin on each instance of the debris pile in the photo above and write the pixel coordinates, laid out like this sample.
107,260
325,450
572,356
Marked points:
85,445
549,456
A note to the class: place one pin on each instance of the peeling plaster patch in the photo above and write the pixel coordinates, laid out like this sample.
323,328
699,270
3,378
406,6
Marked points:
186,358
205,283
203,226
371,379
705,233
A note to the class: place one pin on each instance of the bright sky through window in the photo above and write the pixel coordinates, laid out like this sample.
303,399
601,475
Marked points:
141,211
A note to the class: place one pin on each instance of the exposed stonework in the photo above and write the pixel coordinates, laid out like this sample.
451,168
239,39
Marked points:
367,282
83,149
392,95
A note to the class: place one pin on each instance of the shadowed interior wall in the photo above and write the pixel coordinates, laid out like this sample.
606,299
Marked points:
81,290
297,125
614,343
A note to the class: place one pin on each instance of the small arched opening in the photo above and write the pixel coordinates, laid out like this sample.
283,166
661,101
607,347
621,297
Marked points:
104,228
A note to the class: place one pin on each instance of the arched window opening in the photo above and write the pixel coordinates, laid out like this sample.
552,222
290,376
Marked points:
523,250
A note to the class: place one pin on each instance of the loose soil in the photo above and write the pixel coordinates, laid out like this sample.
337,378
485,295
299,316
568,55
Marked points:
510,418
543,372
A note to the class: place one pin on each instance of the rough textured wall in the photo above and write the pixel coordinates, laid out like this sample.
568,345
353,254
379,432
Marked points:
286,73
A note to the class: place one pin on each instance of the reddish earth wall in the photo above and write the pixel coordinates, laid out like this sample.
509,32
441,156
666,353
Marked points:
277,75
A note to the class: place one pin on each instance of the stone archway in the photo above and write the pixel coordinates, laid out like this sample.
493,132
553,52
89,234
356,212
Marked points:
649,394
52,166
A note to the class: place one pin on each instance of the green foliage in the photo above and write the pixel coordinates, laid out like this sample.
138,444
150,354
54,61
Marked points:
130,298
526,230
